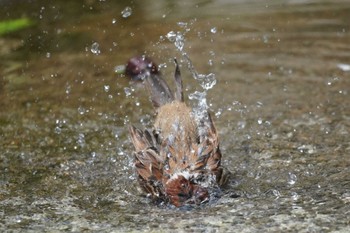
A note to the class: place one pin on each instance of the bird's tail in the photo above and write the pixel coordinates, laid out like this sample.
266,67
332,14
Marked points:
160,91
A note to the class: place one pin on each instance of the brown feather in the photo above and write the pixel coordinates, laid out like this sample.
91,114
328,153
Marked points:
173,161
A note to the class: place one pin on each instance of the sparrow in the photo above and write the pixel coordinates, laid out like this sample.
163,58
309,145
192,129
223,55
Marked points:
178,161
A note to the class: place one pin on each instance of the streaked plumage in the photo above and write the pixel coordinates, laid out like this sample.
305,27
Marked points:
173,161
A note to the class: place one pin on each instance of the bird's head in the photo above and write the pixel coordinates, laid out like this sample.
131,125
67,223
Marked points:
181,191
139,67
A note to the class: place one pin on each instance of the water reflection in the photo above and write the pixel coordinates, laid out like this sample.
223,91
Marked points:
280,99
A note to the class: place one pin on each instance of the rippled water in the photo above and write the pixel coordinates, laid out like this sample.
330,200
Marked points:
280,98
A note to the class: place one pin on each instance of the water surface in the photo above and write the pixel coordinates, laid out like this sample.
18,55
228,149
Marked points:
280,103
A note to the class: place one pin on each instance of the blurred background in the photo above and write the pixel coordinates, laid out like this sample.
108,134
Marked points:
276,79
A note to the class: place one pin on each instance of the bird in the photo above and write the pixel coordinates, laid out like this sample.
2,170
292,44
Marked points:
178,160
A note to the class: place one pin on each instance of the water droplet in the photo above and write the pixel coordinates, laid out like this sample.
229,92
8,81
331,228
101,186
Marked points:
213,30
177,38
18,219
182,24
166,167
114,21
48,55
259,104
306,149
292,178
295,196
200,111
119,69
106,88
276,193
127,91
265,39
197,95
95,48
343,67
207,81
218,113
68,89
162,65
81,140
120,152
81,110
241,124
126,12
58,130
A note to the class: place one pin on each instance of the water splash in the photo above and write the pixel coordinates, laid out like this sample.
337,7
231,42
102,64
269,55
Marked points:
292,178
81,140
128,91
200,112
343,67
126,12
177,38
119,69
310,149
81,110
294,196
95,48
276,193
59,126
201,98
68,89
106,88
207,81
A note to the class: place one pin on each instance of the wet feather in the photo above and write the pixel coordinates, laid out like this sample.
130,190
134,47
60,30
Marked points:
173,161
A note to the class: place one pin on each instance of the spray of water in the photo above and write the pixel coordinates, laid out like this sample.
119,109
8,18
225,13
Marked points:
207,81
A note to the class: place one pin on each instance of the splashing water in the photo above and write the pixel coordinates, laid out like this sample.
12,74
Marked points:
200,111
128,91
126,12
177,38
201,98
208,81
95,48
292,178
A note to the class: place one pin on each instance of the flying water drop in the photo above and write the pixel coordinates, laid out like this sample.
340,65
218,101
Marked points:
106,88
128,91
208,81
95,48
292,178
177,38
126,12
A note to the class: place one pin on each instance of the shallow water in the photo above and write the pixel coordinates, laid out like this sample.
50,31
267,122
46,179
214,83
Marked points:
281,104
